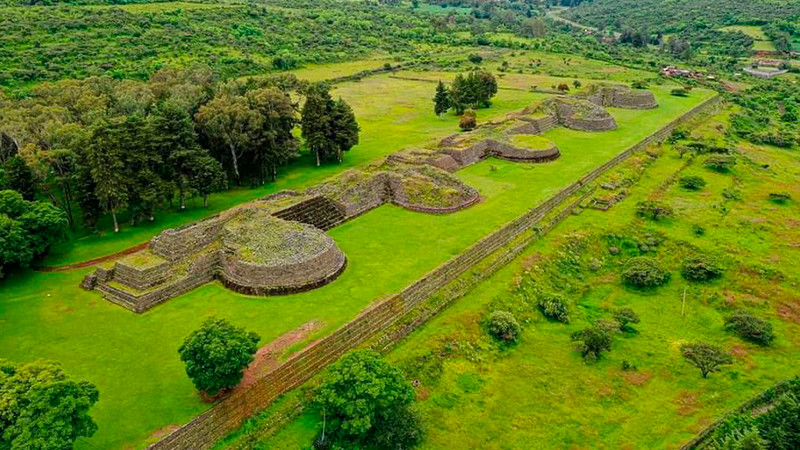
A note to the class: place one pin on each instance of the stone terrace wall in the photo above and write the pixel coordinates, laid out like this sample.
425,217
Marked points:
215,423
502,150
318,211
141,278
202,271
176,243
363,196
256,279
535,126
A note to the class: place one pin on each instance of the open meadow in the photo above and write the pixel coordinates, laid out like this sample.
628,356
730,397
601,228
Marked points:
642,393
133,358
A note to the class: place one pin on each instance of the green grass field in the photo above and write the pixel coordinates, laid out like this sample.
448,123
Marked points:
133,358
540,391
386,126
762,42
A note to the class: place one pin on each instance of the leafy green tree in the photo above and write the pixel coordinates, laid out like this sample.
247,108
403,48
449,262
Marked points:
441,101
216,355
366,402
706,357
232,128
654,210
206,177
27,229
593,342
41,408
276,144
19,177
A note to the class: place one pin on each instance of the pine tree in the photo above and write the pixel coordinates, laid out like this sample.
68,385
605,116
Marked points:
316,122
106,161
345,128
19,177
441,101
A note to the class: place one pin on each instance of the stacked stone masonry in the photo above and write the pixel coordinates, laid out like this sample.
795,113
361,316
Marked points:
215,423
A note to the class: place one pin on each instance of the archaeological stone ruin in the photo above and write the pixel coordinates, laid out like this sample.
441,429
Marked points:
277,245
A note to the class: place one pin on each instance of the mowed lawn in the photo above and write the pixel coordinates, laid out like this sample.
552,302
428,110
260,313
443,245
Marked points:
393,114
133,358
540,394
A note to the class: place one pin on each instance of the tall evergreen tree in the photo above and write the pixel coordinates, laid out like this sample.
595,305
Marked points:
19,177
105,158
316,122
206,177
345,128
276,144
441,101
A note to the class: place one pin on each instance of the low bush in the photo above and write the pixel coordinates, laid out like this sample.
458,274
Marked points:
654,210
780,198
679,92
625,317
720,163
639,84
692,182
750,327
553,307
643,272
701,268
593,342
468,121
504,326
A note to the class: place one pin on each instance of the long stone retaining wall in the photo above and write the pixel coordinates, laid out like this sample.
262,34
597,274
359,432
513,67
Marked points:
227,415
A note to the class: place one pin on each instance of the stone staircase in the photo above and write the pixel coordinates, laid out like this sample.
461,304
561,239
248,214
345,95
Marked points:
318,211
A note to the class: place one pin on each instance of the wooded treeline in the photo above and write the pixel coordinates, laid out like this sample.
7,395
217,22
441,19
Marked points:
100,145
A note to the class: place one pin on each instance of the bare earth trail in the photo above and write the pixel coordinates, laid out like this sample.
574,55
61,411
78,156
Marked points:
95,261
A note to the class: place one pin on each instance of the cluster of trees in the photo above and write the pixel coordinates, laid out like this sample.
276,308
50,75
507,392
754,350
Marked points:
100,145
691,24
777,427
769,114
474,90
41,408
27,229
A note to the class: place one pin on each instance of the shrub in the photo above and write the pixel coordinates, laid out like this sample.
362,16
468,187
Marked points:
553,307
625,317
217,354
629,366
593,341
468,121
654,210
680,92
643,272
639,84
750,327
720,163
678,134
504,326
365,400
475,58
705,357
701,268
780,198
692,182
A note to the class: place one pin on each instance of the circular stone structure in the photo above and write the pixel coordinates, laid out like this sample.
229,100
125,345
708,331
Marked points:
264,255
624,97
583,115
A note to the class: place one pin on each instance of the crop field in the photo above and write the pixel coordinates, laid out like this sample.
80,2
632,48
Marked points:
540,390
46,315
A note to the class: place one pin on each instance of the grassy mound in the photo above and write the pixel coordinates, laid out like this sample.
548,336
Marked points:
532,142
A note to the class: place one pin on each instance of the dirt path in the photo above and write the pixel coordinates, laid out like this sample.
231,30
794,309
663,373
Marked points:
267,357
93,262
